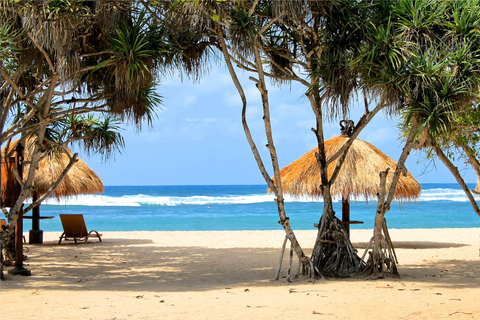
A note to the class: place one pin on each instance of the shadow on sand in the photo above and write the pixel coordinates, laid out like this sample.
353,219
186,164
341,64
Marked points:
126,264
415,245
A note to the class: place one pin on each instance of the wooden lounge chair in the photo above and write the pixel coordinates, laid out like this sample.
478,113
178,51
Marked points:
75,229
3,222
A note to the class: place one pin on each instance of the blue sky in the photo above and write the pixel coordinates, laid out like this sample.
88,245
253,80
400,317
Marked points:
198,138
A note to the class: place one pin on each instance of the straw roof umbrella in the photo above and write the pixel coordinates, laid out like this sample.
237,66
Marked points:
80,179
358,178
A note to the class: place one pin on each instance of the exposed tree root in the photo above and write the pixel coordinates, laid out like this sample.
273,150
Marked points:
382,260
303,266
334,254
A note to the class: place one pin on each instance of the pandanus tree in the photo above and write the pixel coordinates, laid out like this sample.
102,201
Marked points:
389,52
232,29
311,43
423,59
68,64
399,35
382,65
464,131
443,114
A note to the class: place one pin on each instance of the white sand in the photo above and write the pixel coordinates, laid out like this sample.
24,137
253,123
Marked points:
229,275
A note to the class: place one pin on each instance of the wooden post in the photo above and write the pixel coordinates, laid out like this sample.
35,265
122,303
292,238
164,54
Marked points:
346,214
19,241
35,212
346,222
19,269
35,235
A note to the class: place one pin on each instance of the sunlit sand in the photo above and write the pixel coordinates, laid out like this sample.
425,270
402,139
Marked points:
229,275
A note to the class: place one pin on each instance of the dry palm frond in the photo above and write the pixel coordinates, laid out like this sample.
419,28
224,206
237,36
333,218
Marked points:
279,62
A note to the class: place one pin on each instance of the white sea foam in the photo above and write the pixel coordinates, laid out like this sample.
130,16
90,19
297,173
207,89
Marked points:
443,194
149,200
93,200
146,200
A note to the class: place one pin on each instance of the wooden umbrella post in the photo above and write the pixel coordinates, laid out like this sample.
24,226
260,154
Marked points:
35,235
346,214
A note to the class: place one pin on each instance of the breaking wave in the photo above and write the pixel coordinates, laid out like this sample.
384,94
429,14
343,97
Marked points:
434,194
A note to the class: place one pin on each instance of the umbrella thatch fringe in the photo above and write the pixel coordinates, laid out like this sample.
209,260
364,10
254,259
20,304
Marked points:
80,179
358,176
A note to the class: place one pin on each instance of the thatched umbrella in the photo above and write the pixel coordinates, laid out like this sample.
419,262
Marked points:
358,178
80,179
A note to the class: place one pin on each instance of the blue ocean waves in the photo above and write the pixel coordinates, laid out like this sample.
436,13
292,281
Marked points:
127,208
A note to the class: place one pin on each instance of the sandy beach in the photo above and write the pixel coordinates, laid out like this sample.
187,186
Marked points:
229,275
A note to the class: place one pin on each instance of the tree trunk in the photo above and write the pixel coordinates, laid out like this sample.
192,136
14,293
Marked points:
472,160
333,254
2,277
278,191
382,257
458,177
27,183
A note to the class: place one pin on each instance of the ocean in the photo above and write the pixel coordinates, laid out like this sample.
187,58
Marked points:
184,208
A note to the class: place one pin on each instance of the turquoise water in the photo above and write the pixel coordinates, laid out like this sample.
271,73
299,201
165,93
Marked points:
182,208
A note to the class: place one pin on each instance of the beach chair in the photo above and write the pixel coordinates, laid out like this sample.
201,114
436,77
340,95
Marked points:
3,222
75,229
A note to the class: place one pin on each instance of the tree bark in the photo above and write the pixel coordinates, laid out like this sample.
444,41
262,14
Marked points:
276,188
473,161
27,183
454,170
333,253
381,258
